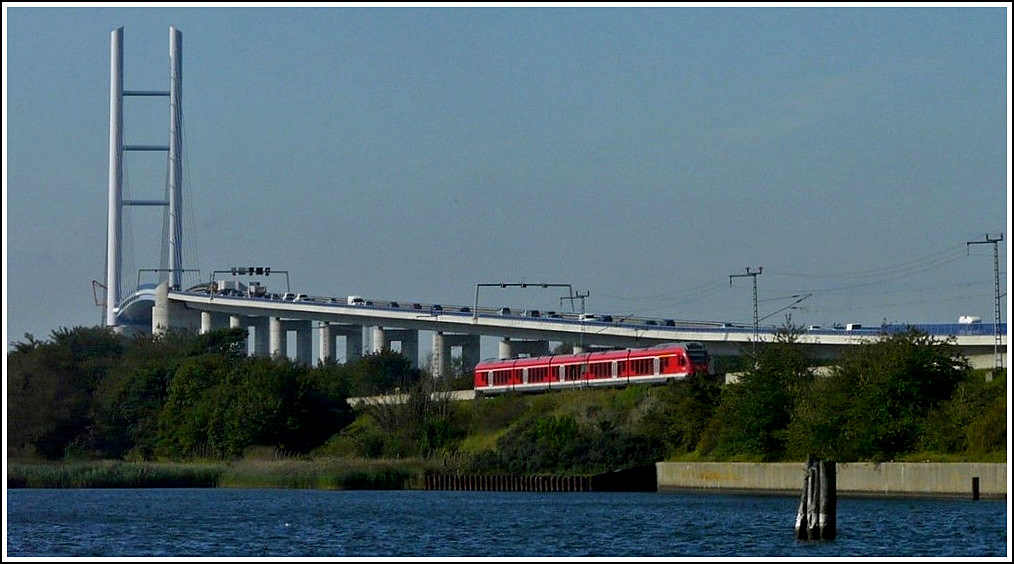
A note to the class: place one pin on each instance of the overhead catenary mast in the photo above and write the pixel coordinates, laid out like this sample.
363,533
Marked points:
997,357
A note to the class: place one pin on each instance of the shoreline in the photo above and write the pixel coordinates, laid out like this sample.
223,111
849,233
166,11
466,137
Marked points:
961,480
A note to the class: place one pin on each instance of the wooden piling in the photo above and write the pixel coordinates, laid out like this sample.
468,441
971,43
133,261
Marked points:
816,516
828,500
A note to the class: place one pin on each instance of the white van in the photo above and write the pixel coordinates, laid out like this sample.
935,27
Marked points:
356,300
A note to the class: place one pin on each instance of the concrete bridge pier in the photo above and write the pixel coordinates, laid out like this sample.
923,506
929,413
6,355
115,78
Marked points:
442,344
353,335
241,322
211,321
325,345
279,339
166,315
261,341
276,338
511,349
304,341
409,339
353,343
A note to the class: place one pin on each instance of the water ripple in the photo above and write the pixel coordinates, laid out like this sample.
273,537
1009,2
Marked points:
311,523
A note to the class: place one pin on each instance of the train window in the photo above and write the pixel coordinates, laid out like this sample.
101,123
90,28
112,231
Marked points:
572,372
641,367
501,377
600,370
538,375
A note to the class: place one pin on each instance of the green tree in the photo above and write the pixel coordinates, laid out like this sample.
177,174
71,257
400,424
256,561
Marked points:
973,420
382,372
754,413
127,403
874,404
682,412
190,422
50,386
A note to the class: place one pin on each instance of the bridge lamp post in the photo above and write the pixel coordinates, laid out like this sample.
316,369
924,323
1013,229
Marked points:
475,308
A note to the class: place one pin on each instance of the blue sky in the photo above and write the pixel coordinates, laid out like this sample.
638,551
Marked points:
641,154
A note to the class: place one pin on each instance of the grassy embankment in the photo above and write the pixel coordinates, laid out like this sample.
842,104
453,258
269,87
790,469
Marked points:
334,466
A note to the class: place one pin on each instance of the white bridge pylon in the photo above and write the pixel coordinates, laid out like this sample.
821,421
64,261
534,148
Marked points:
115,316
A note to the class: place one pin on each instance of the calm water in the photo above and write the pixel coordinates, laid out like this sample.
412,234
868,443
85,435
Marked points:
249,523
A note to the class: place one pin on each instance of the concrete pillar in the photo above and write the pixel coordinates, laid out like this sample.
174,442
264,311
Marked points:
276,338
239,322
212,320
353,340
380,341
409,339
410,348
441,355
442,352
533,348
160,311
470,351
511,349
261,341
506,350
304,342
354,344
325,343
166,315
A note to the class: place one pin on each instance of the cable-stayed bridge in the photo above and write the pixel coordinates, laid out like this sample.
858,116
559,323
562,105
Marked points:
318,324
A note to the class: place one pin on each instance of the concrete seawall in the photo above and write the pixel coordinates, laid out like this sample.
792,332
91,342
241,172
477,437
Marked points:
889,479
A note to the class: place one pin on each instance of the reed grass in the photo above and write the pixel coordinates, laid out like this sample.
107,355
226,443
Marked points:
113,474
329,474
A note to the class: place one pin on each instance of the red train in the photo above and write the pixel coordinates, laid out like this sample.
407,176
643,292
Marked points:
608,368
